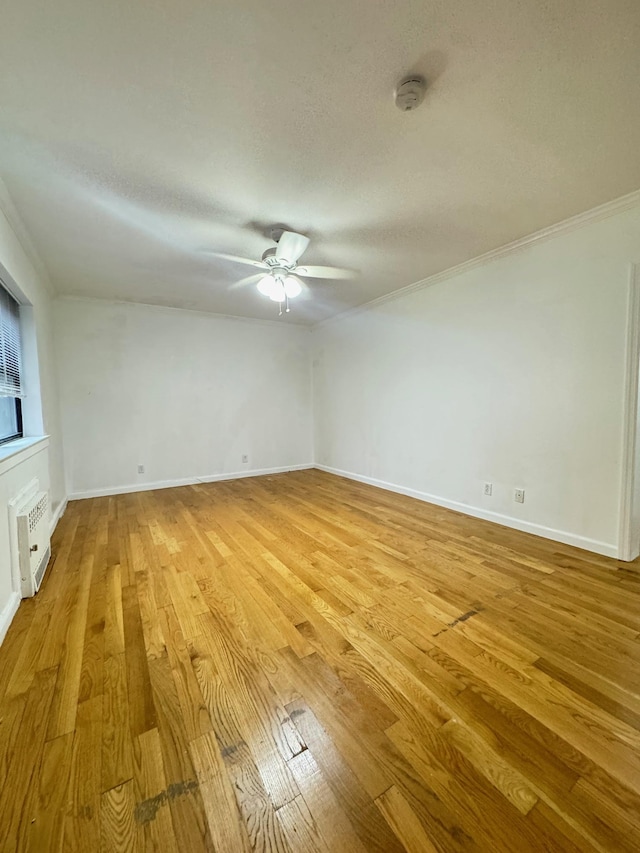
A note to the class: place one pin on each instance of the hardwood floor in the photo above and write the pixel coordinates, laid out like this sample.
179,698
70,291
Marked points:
303,663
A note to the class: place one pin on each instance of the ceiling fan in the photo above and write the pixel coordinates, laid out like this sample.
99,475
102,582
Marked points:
276,278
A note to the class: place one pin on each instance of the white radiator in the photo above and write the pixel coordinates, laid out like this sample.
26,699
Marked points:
34,546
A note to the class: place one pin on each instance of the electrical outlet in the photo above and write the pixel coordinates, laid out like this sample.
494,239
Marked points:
518,496
140,469
488,489
245,458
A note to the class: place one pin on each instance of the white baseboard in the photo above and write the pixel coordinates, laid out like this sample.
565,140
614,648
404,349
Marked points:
594,545
8,612
57,515
187,481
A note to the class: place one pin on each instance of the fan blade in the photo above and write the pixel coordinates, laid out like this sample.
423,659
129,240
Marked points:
291,246
326,272
250,279
238,260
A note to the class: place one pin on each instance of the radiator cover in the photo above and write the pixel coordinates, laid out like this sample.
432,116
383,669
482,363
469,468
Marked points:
34,547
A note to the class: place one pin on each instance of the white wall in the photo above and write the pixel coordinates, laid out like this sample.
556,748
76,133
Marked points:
182,393
511,372
41,405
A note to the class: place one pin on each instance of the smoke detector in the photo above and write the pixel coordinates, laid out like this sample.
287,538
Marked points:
409,93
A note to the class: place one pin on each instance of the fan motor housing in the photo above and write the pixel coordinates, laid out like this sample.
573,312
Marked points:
269,257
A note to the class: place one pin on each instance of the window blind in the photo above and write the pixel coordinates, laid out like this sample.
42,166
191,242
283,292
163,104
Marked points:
10,346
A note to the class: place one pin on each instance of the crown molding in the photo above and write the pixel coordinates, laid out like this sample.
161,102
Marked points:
20,232
595,214
237,318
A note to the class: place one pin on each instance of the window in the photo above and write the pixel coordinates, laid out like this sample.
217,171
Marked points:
10,368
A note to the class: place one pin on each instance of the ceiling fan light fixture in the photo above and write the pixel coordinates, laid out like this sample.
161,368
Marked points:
277,292
278,280
266,285
292,287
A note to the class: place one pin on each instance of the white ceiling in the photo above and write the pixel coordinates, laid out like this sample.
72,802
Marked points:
135,135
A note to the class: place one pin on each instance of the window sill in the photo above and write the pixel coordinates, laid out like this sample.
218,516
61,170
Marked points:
14,452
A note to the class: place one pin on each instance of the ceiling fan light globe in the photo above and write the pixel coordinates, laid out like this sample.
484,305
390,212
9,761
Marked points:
292,287
277,293
266,285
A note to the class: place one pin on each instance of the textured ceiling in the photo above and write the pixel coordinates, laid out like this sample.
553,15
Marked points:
133,136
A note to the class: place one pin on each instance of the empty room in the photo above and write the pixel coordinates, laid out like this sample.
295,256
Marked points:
320,426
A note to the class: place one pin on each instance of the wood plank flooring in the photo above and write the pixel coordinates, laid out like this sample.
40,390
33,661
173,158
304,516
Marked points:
303,663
